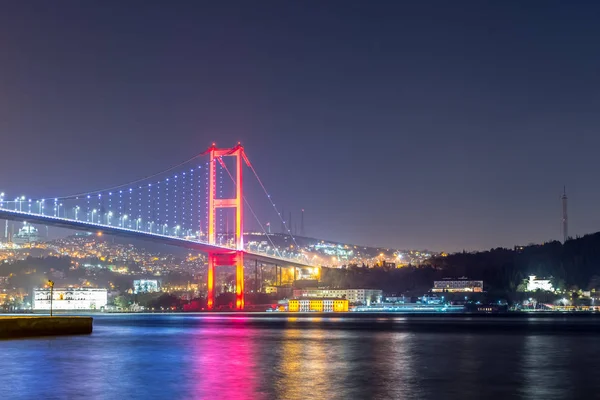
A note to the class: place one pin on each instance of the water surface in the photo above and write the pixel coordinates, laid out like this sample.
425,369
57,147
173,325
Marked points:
226,357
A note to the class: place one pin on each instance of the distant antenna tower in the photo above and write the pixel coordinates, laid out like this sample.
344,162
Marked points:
565,221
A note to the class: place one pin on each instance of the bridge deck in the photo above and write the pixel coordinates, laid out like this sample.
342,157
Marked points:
14,215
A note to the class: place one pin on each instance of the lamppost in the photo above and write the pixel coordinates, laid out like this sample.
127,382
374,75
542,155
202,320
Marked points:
122,220
137,224
109,217
76,212
2,200
51,284
151,226
165,226
21,200
94,211
177,228
58,213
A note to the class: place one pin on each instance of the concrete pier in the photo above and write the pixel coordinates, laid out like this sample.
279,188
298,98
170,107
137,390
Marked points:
27,326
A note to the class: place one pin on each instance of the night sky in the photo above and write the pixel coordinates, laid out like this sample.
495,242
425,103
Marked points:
409,124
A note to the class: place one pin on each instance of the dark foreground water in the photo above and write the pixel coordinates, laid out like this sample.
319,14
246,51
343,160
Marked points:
225,357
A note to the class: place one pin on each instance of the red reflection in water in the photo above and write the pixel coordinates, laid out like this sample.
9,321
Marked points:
225,361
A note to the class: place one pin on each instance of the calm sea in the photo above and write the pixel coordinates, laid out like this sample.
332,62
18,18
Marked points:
229,357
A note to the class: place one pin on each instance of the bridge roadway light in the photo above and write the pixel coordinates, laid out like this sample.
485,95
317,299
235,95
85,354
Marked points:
94,211
109,217
122,220
137,224
21,200
76,212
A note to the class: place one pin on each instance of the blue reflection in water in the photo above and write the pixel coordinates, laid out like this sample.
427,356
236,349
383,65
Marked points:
216,357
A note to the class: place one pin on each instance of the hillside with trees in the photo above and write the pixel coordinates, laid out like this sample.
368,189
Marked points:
573,265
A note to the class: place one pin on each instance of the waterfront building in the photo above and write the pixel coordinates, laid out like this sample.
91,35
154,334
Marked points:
458,285
354,296
318,305
70,299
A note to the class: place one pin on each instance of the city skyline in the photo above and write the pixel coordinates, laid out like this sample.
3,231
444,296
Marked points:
394,125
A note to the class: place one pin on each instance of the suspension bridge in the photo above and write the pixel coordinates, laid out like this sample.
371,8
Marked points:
185,205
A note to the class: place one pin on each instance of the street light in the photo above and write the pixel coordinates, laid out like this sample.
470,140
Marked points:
76,212
51,284
122,220
58,213
177,228
165,226
137,224
2,200
94,211
109,217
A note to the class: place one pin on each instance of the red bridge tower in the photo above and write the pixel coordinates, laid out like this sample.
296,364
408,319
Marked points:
234,257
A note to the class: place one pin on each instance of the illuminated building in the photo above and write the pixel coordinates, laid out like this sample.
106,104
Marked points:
70,299
270,289
27,234
460,285
318,305
145,286
354,296
534,283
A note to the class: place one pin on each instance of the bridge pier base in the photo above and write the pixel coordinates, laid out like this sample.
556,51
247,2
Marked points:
214,260
210,298
239,281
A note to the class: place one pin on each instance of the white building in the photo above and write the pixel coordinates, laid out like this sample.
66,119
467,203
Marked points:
355,296
458,285
28,234
145,286
534,283
70,299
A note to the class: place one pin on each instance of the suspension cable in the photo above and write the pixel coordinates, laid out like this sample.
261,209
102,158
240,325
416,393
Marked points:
251,210
128,183
281,217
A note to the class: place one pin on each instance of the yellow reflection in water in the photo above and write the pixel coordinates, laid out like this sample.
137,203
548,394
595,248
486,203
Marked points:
304,365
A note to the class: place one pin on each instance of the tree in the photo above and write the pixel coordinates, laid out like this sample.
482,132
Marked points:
122,301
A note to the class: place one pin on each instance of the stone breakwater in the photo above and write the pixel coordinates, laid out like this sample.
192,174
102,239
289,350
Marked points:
29,326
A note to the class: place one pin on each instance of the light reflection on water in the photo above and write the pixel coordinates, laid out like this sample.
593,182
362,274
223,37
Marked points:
216,357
